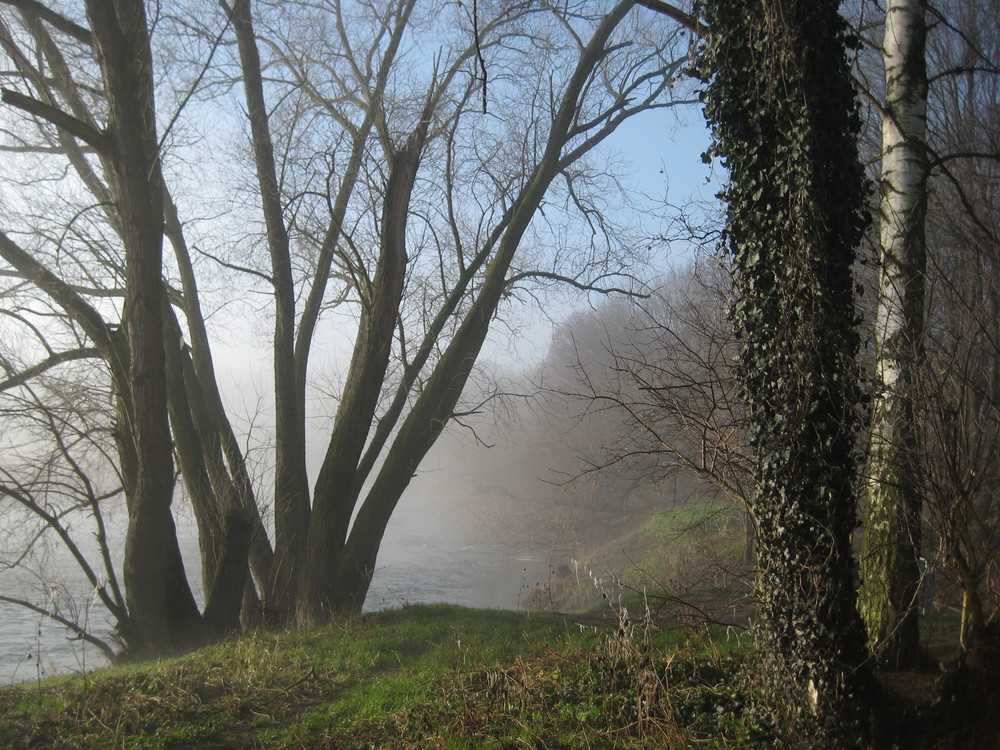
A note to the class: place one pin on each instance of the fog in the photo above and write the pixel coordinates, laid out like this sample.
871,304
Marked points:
434,551
509,498
455,537
505,498
513,498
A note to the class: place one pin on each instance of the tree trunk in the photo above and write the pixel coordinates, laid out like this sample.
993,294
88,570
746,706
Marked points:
225,592
890,572
784,119
749,538
291,484
335,496
221,456
161,606
191,454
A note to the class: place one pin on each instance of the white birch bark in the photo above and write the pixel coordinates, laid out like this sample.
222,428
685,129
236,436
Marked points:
889,565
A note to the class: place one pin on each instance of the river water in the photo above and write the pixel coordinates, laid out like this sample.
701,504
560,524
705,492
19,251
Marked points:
431,553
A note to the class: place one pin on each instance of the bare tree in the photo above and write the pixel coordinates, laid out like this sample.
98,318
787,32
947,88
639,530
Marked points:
458,268
959,378
679,361
377,193
935,152
661,371
58,471
162,611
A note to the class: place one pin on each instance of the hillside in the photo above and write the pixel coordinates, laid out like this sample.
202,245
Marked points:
686,562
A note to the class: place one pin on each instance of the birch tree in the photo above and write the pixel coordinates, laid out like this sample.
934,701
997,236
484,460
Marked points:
890,557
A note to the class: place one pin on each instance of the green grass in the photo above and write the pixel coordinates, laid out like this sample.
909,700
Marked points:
419,677
670,524
438,676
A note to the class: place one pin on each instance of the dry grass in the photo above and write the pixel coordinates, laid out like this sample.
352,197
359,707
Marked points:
435,677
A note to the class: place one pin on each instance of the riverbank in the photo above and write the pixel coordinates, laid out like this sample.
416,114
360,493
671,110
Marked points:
417,677
441,676
431,553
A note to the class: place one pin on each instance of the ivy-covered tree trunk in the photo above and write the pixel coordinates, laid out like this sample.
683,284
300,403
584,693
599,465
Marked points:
782,108
890,558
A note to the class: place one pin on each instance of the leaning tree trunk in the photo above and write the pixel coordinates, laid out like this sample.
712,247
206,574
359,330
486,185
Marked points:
162,610
318,592
890,573
784,119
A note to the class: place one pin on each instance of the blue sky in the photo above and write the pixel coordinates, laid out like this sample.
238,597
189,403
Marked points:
665,148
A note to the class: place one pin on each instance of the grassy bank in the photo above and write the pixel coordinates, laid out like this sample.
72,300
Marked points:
421,677
690,554
447,677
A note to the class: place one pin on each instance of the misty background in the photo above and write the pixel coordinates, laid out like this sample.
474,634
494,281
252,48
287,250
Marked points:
512,506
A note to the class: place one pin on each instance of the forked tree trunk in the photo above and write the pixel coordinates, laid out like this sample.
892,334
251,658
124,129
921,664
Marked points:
890,571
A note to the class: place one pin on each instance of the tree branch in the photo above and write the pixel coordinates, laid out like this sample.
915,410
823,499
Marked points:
962,70
587,287
234,266
61,293
941,159
95,139
80,632
689,22
86,352
55,20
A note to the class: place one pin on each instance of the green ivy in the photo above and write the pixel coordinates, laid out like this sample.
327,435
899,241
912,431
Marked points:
784,120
